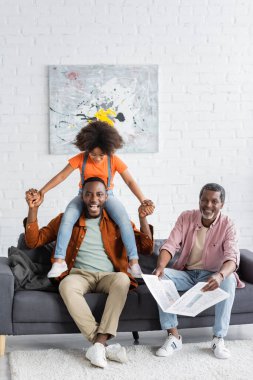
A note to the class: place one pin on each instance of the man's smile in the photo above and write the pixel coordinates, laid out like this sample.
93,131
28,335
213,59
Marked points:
207,213
93,206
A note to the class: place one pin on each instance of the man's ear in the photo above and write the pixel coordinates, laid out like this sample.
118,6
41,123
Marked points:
222,205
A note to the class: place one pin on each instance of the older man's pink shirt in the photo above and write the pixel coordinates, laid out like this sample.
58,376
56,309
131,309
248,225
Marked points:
220,244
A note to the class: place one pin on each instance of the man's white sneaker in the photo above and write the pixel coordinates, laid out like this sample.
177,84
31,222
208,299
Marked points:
116,353
135,270
96,355
170,345
57,269
219,349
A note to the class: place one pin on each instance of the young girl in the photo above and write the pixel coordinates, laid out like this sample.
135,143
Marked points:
98,141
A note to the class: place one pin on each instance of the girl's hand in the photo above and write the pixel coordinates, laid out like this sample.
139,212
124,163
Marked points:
33,198
148,202
32,194
40,198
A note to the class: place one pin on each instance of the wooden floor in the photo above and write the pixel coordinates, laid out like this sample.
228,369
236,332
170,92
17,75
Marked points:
43,342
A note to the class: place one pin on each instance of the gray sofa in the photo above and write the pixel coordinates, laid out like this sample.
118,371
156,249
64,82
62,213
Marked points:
27,312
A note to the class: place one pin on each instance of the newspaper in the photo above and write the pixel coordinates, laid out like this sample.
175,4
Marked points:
190,303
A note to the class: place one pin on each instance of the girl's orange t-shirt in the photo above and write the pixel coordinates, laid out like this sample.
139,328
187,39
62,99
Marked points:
98,170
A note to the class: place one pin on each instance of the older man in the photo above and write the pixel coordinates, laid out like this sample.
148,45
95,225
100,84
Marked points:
97,262
207,244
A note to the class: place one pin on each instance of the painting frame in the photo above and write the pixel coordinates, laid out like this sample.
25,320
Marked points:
125,96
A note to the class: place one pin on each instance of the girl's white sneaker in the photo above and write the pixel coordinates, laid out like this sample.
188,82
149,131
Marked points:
57,269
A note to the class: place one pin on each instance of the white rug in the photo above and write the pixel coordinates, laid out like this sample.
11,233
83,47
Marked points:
194,362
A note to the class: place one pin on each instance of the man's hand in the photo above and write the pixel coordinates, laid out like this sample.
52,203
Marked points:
146,208
33,198
159,271
213,282
144,226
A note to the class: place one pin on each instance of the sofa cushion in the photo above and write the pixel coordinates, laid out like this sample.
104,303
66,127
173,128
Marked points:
139,299
45,307
38,306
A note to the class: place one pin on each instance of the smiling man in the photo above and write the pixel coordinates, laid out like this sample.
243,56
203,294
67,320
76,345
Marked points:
97,262
207,245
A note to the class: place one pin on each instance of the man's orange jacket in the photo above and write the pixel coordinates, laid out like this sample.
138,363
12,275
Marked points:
111,237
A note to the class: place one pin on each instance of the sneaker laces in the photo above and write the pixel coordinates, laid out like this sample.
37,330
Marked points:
219,343
219,349
168,342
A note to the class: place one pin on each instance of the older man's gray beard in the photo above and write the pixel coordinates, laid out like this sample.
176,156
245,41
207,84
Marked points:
207,217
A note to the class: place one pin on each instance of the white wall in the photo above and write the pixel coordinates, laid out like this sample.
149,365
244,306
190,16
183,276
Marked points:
204,49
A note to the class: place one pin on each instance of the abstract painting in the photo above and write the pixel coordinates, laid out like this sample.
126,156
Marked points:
125,96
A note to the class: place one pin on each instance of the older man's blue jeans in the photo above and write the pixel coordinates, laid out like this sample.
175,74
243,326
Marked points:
185,280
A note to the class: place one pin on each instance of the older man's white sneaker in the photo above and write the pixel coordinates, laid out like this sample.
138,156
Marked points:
170,345
219,349
96,355
116,353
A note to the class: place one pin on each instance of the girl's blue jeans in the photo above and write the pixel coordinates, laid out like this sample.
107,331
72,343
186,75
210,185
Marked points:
116,211
185,280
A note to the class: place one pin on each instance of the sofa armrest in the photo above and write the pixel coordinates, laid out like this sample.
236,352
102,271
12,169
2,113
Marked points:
6,297
246,265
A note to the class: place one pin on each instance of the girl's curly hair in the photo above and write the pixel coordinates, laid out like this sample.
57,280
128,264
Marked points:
98,134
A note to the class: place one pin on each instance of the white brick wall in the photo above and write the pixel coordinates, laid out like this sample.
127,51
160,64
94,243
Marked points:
204,49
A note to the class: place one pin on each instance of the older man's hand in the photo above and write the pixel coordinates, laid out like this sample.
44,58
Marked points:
159,271
213,282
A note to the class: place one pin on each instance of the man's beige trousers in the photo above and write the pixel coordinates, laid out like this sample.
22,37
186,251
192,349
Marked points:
79,282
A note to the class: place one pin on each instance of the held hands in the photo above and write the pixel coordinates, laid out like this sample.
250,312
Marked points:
213,282
146,208
33,198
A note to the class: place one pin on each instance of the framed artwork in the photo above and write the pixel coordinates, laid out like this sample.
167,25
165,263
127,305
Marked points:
125,96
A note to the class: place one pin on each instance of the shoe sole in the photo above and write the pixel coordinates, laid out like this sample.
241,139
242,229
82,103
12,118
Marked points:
56,274
168,354
121,359
219,357
95,364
